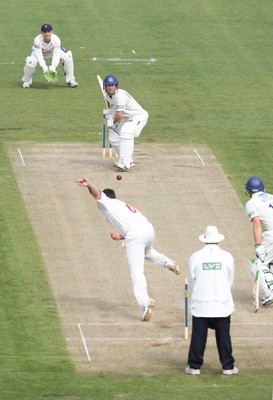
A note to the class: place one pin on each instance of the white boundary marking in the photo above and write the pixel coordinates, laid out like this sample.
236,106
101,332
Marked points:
22,158
10,63
198,155
84,342
118,59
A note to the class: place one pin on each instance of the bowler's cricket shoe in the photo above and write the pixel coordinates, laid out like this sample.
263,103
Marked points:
147,310
176,268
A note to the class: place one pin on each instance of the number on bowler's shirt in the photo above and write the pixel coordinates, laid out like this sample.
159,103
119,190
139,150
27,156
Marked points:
131,208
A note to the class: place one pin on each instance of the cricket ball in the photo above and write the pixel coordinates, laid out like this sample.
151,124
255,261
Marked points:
119,177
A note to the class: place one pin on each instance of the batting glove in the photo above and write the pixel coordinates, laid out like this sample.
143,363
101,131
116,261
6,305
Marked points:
45,69
110,121
52,69
260,252
108,112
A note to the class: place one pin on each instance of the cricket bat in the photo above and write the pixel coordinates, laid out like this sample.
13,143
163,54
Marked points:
104,121
102,91
256,288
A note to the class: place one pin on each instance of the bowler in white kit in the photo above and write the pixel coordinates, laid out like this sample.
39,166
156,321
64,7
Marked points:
138,235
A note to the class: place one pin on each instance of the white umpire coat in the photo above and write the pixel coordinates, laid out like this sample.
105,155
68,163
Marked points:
211,275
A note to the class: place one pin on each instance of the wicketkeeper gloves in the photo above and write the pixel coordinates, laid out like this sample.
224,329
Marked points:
52,69
51,74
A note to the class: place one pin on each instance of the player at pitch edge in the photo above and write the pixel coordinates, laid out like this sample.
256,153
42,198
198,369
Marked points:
47,46
260,212
130,117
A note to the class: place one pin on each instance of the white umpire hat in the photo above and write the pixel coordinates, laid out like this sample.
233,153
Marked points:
211,235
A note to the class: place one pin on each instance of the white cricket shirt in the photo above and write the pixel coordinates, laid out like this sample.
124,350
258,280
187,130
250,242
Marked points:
261,205
123,101
121,215
45,51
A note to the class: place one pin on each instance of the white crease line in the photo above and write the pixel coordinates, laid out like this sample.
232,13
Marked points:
162,340
140,339
200,158
167,325
122,324
84,343
23,162
251,338
252,323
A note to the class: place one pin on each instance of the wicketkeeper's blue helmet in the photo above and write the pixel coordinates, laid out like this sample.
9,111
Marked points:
110,80
254,184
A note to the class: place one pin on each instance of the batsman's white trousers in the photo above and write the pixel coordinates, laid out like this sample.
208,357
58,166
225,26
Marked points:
134,127
127,131
139,245
266,277
267,242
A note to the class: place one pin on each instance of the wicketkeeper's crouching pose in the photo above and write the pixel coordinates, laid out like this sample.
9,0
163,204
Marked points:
47,46
138,235
260,212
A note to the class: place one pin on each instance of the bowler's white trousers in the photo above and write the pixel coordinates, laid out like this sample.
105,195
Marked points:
139,245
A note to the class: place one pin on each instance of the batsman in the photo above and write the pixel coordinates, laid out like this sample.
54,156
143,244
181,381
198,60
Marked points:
125,119
260,212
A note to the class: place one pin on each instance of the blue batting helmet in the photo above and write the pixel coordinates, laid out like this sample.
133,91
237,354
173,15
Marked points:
254,184
110,80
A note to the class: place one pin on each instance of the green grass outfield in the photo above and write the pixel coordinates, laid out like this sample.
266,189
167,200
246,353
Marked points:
212,84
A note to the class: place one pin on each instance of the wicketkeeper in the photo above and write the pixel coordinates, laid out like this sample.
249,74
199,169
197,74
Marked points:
47,46
260,212
130,117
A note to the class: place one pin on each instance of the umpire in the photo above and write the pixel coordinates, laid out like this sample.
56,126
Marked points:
211,274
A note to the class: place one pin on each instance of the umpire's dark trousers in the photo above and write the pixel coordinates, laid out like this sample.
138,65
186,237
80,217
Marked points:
199,339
